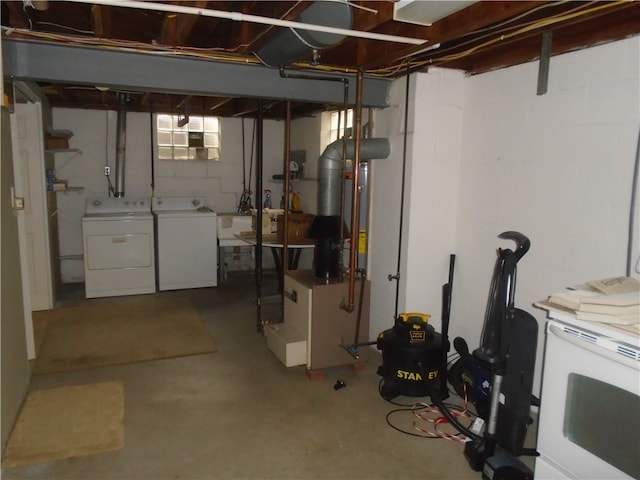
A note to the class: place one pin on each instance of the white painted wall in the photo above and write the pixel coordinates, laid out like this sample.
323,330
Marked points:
486,155
432,191
95,135
556,167
14,371
430,200
386,184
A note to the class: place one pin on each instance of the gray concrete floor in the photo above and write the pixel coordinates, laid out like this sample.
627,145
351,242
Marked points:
240,414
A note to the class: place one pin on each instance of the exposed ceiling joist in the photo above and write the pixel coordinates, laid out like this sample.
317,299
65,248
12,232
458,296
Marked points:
483,36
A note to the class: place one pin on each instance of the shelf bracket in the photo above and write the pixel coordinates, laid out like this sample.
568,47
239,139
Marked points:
543,68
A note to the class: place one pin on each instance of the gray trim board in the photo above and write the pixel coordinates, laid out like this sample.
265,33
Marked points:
50,62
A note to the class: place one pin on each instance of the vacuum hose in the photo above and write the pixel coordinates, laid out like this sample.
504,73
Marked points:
435,397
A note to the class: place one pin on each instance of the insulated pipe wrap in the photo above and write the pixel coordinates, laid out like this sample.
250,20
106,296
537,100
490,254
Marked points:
330,170
291,45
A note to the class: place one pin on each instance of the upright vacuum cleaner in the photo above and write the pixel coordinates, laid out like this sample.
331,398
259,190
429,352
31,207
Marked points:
506,356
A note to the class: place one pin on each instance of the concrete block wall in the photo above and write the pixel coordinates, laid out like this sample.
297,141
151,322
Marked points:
386,183
557,167
430,199
432,190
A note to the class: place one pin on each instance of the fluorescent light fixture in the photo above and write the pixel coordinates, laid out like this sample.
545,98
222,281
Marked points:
426,12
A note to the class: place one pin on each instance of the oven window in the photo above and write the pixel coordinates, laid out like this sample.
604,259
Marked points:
603,419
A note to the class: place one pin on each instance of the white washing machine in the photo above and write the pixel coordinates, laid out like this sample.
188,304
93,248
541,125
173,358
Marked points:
118,241
186,243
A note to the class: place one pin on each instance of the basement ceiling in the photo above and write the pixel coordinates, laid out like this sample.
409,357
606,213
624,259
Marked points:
474,36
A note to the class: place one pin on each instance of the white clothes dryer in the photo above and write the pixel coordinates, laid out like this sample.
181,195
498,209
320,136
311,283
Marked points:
119,247
186,243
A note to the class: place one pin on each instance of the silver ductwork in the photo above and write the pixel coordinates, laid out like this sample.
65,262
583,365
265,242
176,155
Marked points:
330,170
121,137
327,227
290,45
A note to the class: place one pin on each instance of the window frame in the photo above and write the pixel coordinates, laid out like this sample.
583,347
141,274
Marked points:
194,146
335,118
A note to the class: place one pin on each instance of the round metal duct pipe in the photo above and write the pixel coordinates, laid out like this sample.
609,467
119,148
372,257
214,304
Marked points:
326,226
330,170
291,45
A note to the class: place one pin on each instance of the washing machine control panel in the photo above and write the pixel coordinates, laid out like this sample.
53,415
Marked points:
174,204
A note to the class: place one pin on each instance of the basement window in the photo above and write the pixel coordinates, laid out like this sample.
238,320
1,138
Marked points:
337,124
183,139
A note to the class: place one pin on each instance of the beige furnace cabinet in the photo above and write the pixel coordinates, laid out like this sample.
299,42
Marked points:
315,326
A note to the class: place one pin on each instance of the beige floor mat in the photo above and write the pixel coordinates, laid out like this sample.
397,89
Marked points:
100,333
67,422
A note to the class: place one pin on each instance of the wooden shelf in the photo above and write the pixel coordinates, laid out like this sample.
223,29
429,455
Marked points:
65,150
70,190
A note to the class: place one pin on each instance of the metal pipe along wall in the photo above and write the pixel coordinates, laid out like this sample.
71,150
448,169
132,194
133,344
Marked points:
121,140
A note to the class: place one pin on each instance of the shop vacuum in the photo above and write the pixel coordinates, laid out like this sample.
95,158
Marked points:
412,342
497,377
414,355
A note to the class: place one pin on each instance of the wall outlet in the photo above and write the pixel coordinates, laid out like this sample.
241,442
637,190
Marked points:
107,170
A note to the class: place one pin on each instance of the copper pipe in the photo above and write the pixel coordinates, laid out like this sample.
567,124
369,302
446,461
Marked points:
355,197
345,138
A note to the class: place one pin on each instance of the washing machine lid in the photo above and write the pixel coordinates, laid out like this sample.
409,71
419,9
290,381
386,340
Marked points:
171,206
178,203
186,214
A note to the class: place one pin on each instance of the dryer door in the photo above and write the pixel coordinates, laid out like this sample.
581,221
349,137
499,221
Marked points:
106,252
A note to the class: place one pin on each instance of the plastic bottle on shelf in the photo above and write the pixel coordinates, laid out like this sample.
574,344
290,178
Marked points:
295,202
267,198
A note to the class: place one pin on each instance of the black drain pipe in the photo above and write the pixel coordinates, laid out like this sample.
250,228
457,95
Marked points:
153,159
396,277
286,186
258,262
632,212
121,136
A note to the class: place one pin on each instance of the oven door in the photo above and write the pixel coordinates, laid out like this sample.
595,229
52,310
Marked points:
590,407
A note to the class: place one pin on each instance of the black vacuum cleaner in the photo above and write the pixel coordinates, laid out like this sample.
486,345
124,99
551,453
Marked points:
506,357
